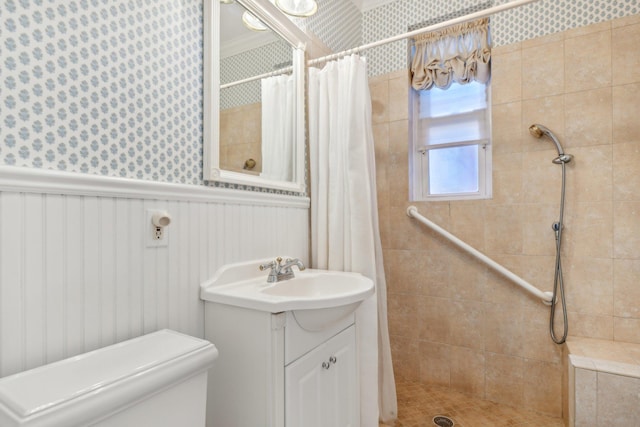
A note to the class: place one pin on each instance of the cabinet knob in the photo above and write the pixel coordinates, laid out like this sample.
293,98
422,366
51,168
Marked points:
333,359
326,365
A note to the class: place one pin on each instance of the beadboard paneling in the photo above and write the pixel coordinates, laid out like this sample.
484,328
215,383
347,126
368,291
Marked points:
76,275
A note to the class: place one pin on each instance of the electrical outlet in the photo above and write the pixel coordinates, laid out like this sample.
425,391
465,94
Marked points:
155,236
158,233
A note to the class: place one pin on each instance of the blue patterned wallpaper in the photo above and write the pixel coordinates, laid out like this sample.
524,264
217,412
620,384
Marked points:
103,87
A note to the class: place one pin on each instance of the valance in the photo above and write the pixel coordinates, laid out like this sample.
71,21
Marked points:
458,54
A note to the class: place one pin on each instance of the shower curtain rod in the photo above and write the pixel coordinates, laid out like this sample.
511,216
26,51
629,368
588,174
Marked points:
259,77
469,17
546,297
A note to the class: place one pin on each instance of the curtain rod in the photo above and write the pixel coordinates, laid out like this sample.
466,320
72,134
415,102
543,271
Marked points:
470,17
261,76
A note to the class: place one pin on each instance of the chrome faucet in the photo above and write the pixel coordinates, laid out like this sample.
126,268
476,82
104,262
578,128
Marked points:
279,271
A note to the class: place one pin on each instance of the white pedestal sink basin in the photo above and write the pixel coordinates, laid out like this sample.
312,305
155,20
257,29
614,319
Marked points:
316,297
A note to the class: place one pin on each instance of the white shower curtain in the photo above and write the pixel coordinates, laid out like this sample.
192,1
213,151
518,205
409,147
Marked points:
344,216
278,128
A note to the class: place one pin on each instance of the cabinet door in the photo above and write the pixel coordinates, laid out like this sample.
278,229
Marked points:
321,388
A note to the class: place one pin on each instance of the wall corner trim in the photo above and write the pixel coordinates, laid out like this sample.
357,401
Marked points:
43,181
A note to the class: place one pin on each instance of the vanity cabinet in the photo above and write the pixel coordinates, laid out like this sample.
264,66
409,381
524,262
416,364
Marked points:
321,386
272,372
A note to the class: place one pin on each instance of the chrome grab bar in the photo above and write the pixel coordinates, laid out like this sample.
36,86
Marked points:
546,297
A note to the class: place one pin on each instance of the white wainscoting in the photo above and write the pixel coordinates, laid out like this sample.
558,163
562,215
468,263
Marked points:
75,271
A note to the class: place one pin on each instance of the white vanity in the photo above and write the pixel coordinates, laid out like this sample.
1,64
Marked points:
287,349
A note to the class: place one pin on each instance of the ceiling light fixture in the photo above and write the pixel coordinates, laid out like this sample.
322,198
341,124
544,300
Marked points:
253,23
294,8
298,8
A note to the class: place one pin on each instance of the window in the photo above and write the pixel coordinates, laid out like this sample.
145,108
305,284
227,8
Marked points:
451,142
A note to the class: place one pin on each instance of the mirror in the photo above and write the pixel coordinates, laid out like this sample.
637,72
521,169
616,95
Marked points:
254,112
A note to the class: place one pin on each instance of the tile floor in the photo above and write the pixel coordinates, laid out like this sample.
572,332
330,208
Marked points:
419,403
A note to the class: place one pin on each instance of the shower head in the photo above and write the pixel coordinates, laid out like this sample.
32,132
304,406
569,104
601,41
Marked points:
539,131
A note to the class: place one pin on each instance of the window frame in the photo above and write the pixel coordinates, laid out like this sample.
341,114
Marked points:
419,159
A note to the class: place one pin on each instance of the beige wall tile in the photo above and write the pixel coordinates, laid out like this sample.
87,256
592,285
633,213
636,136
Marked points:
618,400
626,126
503,229
589,325
435,363
434,278
539,238
625,54
588,285
589,175
505,48
626,329
399,139
542,387
626,232
586,386
403,265
507,183
588,117
626,291
379,101
504,382
588,231
588,29
435,319
627,20
626,179
467,371
403,315
399,98
467,223
506,77
543,40
588,60
543,70
506,132
503,329
537,343
465,324
406,356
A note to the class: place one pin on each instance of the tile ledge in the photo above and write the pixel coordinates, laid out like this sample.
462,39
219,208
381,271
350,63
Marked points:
614,357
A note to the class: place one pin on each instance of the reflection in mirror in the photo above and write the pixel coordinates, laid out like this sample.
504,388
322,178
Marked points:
245,131
254,117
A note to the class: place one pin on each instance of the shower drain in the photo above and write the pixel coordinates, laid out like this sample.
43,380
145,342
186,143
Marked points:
442,421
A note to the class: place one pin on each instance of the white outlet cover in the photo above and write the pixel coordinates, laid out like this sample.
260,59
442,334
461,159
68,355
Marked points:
149,230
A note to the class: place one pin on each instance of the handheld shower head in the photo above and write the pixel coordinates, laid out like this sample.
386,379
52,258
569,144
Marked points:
538,131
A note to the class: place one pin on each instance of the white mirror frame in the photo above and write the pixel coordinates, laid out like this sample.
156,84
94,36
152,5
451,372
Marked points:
274,19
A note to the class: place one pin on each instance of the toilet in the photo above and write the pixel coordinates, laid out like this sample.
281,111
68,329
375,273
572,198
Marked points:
159,380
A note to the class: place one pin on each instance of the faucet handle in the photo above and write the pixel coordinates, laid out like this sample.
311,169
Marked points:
269,265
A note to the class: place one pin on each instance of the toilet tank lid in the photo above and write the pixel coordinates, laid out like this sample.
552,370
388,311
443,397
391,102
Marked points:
35,390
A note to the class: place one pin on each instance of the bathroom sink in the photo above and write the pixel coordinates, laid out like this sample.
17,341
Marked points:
316,297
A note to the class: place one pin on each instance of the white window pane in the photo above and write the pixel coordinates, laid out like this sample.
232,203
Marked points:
454,100
467,127
453,170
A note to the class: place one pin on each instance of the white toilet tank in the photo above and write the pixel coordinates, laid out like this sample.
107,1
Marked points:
158,380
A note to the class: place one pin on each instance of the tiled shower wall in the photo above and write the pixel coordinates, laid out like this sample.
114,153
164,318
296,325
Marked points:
457,324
